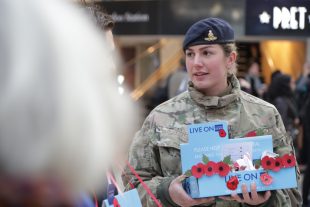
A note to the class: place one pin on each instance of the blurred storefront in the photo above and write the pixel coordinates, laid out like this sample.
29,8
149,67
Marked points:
149,34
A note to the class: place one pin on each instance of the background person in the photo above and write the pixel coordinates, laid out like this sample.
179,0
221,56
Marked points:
305,155
178,80
61,119
253,77
281,94
213,94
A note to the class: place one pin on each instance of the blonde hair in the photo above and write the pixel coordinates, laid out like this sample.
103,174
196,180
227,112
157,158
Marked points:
228,49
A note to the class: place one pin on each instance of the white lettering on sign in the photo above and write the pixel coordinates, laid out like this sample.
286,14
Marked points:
130,17
206,148
201,129
292,18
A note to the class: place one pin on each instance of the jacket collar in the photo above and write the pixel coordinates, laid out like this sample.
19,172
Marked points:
226,98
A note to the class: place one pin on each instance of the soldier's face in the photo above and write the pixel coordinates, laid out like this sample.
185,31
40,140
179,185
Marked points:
207,67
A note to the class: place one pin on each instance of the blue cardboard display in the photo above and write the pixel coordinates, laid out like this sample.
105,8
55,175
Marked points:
127,199
210,141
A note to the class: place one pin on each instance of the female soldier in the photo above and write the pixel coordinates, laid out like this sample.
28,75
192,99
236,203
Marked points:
213,94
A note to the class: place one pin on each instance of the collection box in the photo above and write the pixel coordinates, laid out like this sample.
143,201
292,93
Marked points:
216,165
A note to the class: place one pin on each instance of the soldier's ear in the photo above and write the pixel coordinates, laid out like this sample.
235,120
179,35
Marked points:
231,59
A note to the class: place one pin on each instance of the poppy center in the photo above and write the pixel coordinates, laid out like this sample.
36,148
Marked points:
268,162
209,169
199,169
277,164
289,161
221,168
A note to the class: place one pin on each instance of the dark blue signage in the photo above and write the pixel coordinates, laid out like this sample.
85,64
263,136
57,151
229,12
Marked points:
169,17
134,17
278,17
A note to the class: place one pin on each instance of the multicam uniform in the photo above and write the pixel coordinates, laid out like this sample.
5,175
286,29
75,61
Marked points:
155,151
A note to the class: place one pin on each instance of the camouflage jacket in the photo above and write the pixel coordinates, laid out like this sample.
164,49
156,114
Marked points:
155,151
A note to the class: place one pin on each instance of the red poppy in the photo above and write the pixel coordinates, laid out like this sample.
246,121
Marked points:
210,168
277,164
268,163
251,134
198,170
222,168
232,183
266,179
288,160
222,133
115,203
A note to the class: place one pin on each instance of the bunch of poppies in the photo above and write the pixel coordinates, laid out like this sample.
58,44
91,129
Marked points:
210,169
222,168
276,163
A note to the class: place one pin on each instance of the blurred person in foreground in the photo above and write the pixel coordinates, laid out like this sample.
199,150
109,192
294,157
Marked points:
61,118
103,21
213,94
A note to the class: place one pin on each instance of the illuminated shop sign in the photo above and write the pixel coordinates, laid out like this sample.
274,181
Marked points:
278,17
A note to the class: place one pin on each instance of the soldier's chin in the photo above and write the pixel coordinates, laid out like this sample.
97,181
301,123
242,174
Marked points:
201,86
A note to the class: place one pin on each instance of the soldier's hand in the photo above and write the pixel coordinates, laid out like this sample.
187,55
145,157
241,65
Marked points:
254,198
180,197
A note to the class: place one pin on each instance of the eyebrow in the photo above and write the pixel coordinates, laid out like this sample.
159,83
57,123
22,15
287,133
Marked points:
203,47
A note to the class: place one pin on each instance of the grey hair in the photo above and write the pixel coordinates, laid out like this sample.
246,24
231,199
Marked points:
60,111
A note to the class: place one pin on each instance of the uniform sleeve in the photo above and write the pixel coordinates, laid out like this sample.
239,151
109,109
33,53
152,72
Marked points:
282,145
143,156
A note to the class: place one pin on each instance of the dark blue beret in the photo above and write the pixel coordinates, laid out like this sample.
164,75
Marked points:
208,31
